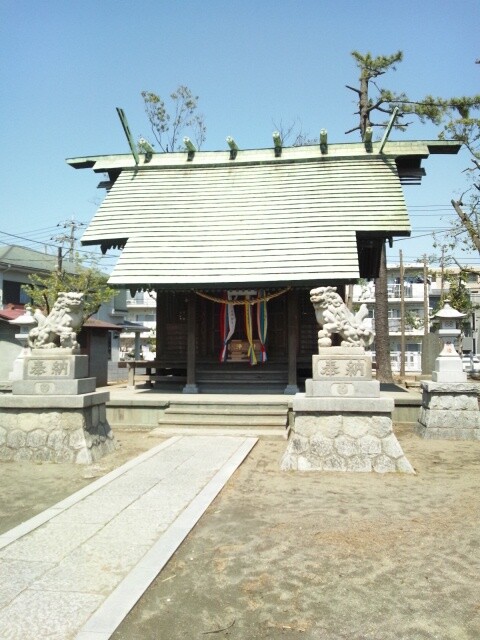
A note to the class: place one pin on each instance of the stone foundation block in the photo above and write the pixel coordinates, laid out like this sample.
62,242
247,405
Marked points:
44,434
449,411
449,419
344,389
53,387
344,442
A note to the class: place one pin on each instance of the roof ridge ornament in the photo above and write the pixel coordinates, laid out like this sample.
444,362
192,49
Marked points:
368,139
277,141
323,141
233,147
190,147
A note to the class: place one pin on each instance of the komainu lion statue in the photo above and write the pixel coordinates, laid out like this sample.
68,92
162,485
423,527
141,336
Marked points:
334,317
60,327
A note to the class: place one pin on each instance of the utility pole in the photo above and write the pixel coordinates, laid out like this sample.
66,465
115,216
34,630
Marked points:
402,317
69,237
442,273
426,305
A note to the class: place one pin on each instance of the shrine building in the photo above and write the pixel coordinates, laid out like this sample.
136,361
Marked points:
232,242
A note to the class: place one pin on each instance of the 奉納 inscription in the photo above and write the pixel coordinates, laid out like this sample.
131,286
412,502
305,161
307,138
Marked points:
38,368
330,368
60,368
355,367
45,368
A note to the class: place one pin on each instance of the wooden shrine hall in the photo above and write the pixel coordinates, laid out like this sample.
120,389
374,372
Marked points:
232,242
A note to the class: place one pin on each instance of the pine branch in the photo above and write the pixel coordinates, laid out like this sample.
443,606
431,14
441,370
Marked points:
352,130
353,89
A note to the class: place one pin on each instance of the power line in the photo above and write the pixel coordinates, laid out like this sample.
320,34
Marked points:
106,260
12,235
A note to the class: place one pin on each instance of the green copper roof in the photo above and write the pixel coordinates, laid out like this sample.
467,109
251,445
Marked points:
211,221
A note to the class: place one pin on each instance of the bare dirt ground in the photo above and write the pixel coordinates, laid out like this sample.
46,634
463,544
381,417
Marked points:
319,556
27,488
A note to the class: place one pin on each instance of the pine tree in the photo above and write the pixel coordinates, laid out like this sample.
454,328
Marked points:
456,116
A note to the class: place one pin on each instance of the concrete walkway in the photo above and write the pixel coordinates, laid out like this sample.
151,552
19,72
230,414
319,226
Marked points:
75,570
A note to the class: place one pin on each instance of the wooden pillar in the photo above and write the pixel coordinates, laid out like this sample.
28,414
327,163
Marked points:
292,338
136,348
161,326
191,386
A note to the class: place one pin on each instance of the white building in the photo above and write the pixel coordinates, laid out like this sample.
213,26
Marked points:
141,310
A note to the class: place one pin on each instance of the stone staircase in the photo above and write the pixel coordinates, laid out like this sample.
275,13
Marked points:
262,418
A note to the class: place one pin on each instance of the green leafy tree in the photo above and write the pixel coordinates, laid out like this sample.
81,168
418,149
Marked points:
458,294
44,288
170,123
459,298
413,320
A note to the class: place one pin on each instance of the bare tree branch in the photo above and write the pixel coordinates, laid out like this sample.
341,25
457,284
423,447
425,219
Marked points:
467,223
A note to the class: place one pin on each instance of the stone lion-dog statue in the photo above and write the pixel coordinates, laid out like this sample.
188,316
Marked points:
60,327
334,317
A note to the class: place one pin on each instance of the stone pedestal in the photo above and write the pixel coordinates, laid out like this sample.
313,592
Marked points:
54,413
54,372
449,411
341,422
448,369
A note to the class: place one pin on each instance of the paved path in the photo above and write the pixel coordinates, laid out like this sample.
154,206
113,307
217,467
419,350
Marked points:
75,570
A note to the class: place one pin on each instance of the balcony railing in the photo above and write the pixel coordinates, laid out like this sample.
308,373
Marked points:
395,291
411,290
395,326
141,301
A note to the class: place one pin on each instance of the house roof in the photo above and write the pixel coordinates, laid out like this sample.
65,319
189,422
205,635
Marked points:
25,259
207,220
12,312
93,323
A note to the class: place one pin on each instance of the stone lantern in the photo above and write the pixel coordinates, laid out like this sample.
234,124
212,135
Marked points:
449,403
448,365
26,321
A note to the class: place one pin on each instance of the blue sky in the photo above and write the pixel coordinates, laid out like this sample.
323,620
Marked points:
66,65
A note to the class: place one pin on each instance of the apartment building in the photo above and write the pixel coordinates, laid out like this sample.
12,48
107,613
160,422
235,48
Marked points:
415,293
414,296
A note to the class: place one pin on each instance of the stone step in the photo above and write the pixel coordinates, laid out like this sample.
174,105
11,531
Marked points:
226,420
245,375
242,388
263,419
228,409
241,376
270,433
